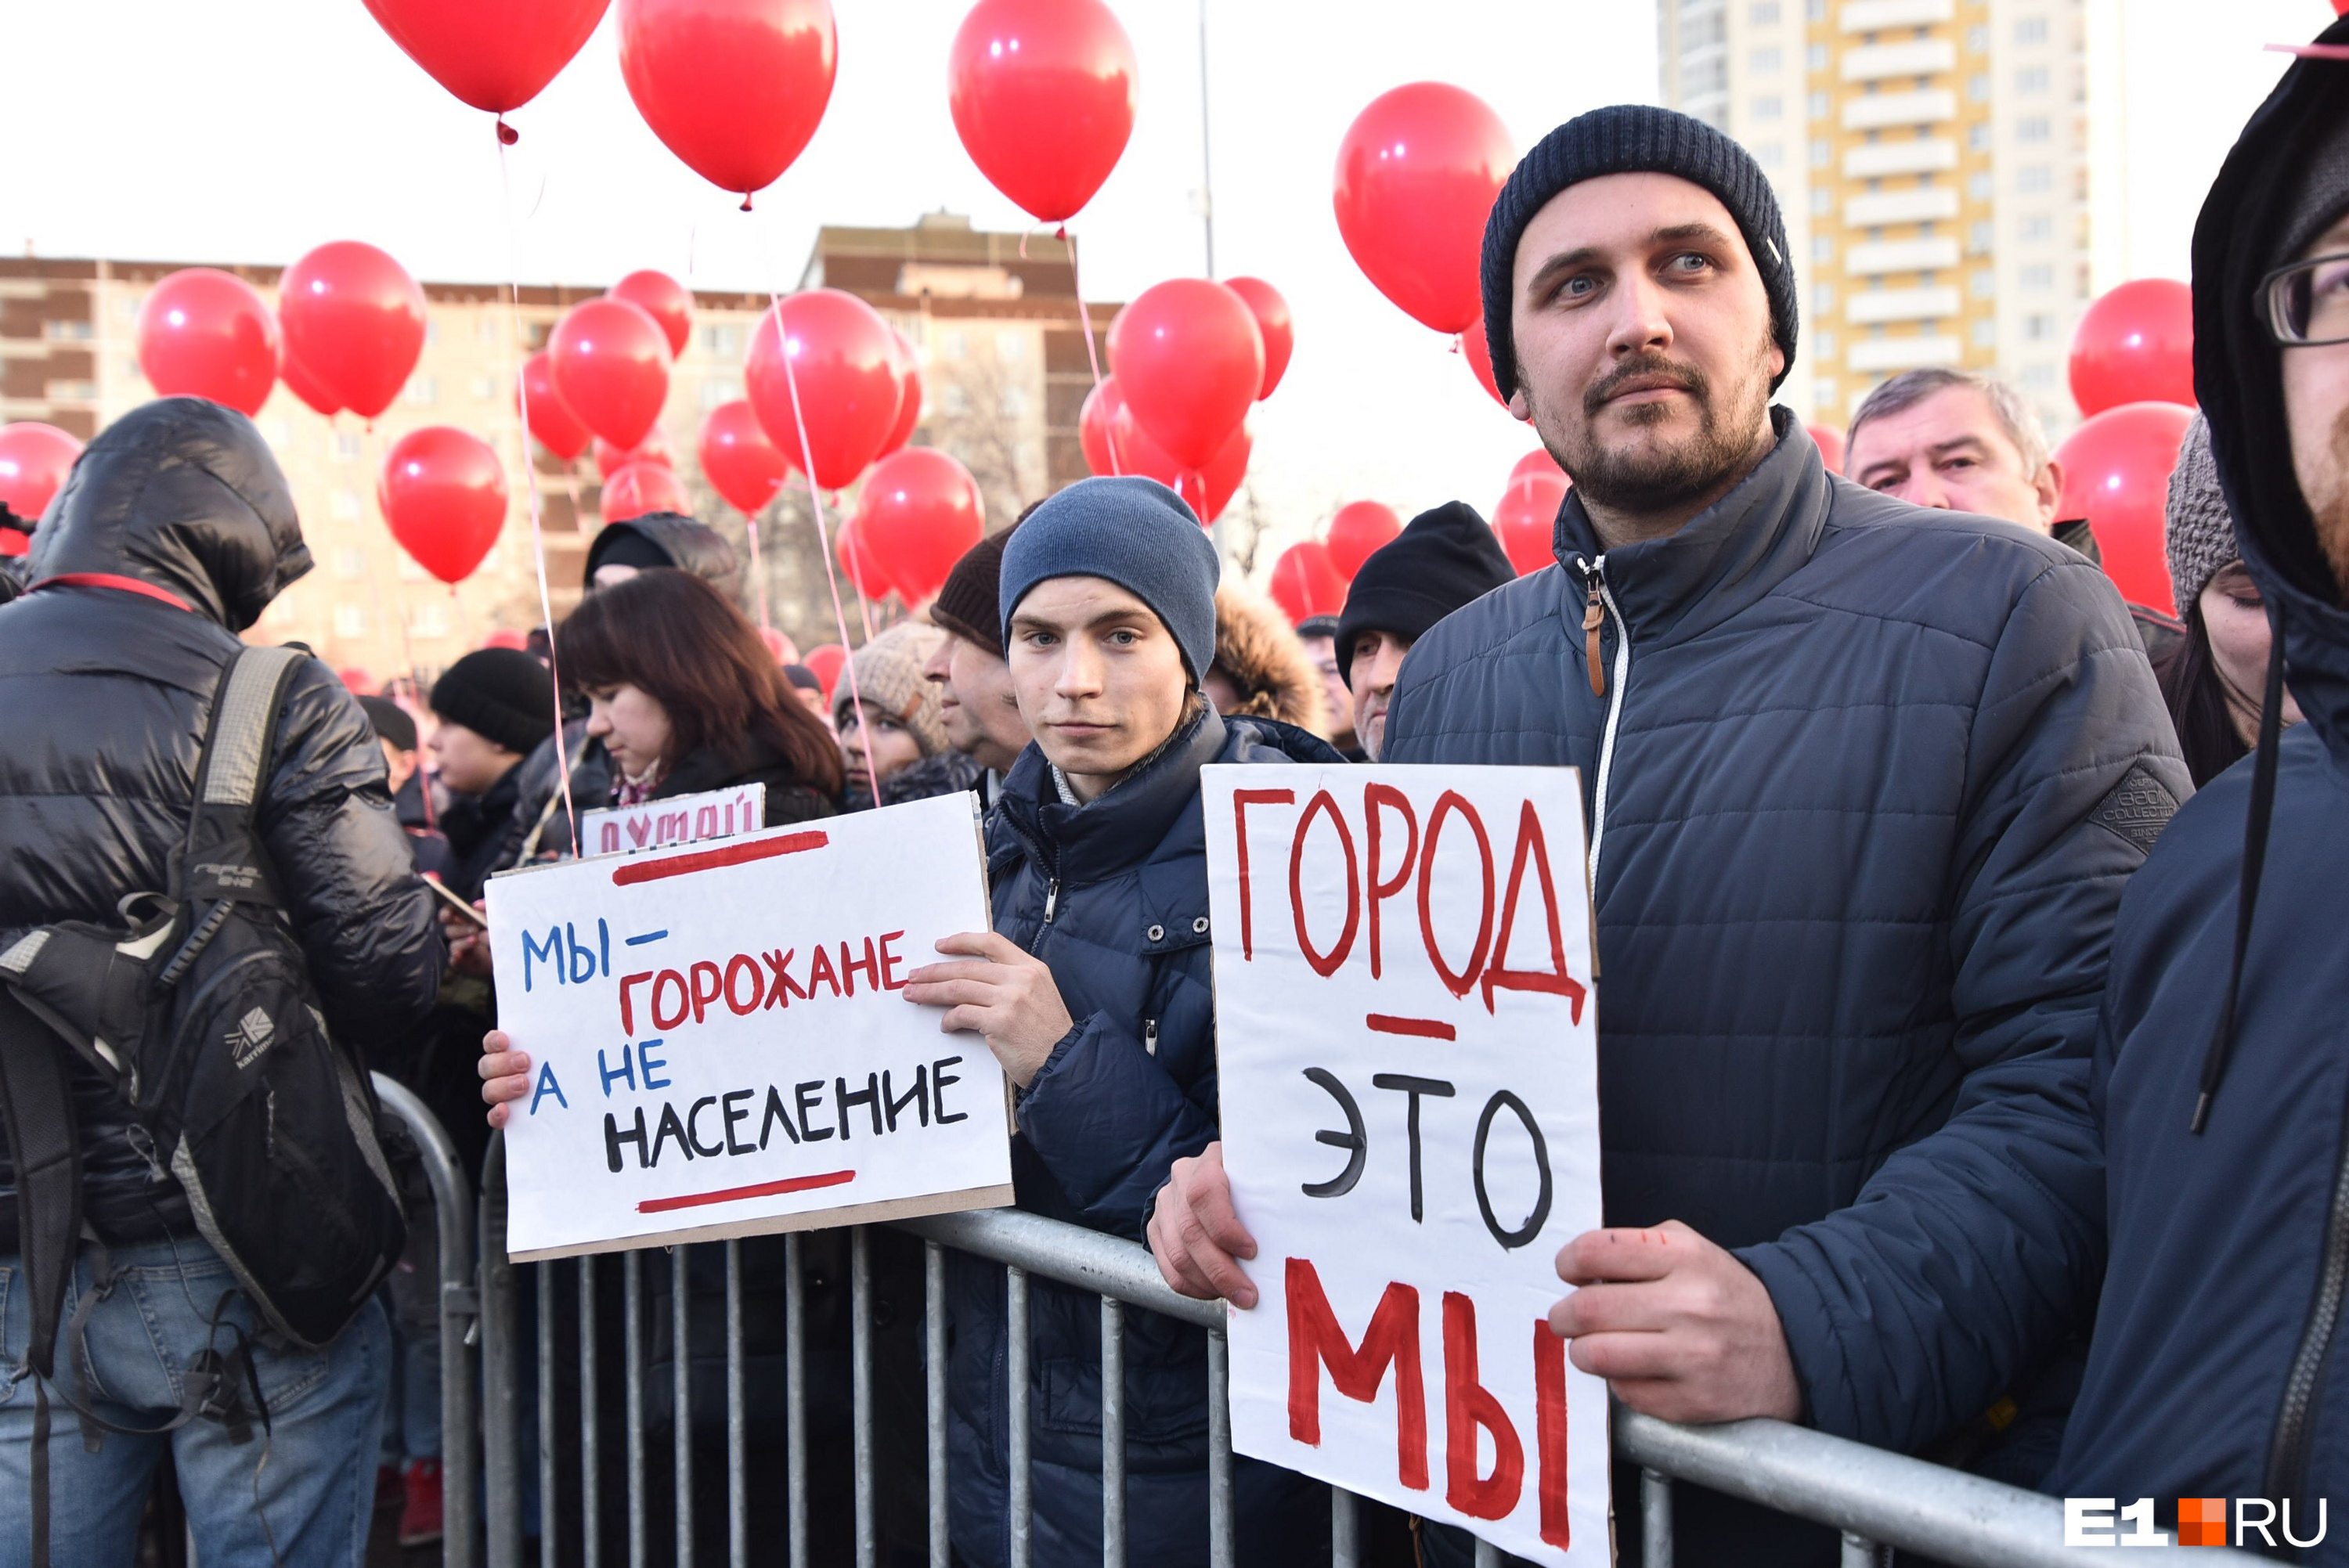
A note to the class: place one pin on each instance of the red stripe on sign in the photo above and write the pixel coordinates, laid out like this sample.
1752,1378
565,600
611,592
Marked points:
709,860
735,1194
1425,1028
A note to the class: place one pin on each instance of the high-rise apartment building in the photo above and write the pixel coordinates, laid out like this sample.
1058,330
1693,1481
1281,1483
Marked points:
997,331
1932,160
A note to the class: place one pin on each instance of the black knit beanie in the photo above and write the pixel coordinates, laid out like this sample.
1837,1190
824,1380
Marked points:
966,604
391,722
502,695
1446,557
1636,139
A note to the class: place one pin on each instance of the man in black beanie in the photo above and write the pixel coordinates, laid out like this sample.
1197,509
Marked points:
494,705
976,707
1446,557
1864,782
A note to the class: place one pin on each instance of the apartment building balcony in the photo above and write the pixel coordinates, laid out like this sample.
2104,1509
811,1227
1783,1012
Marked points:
1915,206
1925,155
1873,16
1874,111
1889,354
1900,256
1914,58
1866,306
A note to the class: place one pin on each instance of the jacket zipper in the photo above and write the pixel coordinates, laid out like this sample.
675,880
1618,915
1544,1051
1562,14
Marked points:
1150,1036
1594,615
2287,1474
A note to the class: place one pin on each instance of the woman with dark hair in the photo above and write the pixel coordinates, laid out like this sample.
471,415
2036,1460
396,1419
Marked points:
2213,679
685,698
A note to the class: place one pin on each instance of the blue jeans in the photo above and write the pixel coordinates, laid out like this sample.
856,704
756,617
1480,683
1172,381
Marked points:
306,1484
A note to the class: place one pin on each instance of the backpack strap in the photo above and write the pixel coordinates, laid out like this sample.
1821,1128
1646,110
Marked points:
220,860
45,1146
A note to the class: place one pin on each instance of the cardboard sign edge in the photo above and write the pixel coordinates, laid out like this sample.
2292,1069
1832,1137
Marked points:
915,1208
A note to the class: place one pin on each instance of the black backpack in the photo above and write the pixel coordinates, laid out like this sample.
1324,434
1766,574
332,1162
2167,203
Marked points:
199,1012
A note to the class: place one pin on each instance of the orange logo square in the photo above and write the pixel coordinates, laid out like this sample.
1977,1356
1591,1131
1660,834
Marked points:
2201,1522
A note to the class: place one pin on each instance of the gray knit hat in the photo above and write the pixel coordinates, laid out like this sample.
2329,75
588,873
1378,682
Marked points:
1635,138
889,681
2196,529
1135,533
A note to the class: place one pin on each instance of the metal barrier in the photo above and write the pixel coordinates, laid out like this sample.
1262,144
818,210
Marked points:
1879,1500
459,1312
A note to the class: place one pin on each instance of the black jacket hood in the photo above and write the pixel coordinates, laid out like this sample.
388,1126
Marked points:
185,495
2238,381
690,546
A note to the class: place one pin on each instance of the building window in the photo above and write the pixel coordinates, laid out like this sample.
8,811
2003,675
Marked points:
350,620
2033,179
67,331
2038,280
2039,327
1822,154
1823,298
432,332
2031,79
1764,13
410,571
1985,283
2038,226
953,344
346,445
1011,347
1981,186
1985,334
429,620
1818,11
1979,137
1823,394
1980,239
1978,40
488,327
723,338
1765,62
2039,377
2033,128
1823,202
350,564
1770,154
953,399
73,391
718,389
1818,58
1769,106
1825,343
1012,403
2031,30
1819,105
422,392
485,387
1822,248
1978,87
346,507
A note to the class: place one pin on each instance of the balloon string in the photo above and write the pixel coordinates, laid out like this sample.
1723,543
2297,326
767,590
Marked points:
465,621
407,647
1093,357
530,476
823,535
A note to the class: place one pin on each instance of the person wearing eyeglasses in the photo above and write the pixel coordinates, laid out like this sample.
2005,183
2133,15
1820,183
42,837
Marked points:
2220,1078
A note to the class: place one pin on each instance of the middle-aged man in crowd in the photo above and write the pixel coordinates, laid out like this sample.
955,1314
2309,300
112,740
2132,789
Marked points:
1864,785
980,708
173,533
2222,1063
1320,635
1965,440
1446,557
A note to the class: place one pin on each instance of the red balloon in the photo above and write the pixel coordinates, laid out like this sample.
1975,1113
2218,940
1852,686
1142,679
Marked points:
842,362
1830,444
557,428
1189,360
784,650
654,449
444,495
354,320
1417,174
1273,325
663,298
1305,584
356,681
506,637
738,460
635,488
2134,345
2116,469
494,57
734,88
1360,528
1478,354
1042,96
858,560
1527,520
298,382
34,462
1102,423
909,393
1536,464
921,511
823,661
1223,474
1114,443
610,366
205,333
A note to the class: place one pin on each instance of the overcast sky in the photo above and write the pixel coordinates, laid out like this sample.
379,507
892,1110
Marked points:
249,130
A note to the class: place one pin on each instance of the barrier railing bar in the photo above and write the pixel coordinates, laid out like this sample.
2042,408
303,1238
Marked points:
1112,1431
1015,1334
591,1424
547,1533
1655,1518
1487,1554
632,1331
795,1397
1859,1551
1345,1530
1219,1450
500,1414
460,1299
1105,1265
737,1487
934,1376
680,1423
860,1371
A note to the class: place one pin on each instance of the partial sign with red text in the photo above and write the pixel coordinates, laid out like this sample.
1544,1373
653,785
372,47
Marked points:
680,820
1407,1045
718,1043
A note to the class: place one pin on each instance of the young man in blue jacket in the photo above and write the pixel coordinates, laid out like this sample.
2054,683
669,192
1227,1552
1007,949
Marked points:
2222,1075
1864,783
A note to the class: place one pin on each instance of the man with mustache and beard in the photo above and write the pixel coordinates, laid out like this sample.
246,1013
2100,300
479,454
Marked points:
1864,783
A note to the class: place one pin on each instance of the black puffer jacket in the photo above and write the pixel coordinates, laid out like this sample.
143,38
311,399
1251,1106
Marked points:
1865,785
106,692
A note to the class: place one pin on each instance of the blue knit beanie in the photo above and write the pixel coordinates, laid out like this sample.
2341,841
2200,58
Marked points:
1635,138
1136,533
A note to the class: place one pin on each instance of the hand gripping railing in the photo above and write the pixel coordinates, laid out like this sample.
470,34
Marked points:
1876,1499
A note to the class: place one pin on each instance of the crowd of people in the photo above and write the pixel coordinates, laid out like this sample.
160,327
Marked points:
1971,1076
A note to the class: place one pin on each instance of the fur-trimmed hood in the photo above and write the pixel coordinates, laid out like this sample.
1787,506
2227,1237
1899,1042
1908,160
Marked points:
1265,660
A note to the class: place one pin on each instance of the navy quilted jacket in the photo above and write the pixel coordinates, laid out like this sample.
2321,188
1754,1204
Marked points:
1113,896
1865,786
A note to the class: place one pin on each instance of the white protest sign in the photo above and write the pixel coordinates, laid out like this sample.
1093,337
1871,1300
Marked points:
1408,1055
680,820
719,1045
